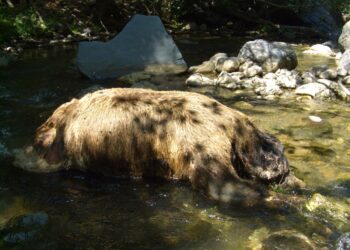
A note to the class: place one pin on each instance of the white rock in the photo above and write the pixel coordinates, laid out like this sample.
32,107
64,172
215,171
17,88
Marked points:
253,71
315,90
337,88
270,88
315,118
199,80
231,64
320,50
228,78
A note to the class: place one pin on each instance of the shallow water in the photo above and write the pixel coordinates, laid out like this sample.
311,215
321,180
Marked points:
91,212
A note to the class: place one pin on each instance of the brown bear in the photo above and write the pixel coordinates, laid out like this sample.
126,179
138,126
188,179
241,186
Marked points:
168,134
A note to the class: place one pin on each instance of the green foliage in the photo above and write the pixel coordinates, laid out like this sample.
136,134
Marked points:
24,24
28,24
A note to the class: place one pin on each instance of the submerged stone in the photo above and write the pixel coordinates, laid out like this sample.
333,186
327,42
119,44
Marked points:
330,209
24,227
262,239
143,42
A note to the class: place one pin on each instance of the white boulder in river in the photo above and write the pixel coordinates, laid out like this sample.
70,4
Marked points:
142,45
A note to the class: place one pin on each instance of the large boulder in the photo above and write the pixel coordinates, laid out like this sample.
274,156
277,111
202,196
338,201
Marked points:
344,39
142,45
270,56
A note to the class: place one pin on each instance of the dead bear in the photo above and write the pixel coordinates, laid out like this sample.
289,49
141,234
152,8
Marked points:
168,134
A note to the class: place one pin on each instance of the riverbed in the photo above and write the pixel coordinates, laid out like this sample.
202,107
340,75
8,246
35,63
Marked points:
95,212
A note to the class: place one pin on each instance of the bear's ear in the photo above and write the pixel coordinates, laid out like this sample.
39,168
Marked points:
257,155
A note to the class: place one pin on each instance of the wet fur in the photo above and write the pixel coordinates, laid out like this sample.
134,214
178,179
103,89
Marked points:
170,134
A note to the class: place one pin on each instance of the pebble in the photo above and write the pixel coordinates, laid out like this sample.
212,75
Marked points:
315,118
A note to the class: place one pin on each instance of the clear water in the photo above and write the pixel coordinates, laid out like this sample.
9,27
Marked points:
93,212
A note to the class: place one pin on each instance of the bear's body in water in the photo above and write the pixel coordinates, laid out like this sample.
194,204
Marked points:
170,134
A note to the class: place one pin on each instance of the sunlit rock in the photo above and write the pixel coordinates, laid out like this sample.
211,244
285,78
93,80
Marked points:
262,239
315,118
229,79
315,90
339,89
287,79
344,62
330,209
330,74
143,42
320,50
270,88
343,243
231,64
344,39
346,80
253,71
270,56
199,80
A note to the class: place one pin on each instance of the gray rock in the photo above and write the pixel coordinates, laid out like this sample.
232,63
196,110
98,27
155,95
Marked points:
217,57
287,79
317,70
253,71
270,56
232,79
270,88
330,74
344,62
199,80
341,72
344,39
315,90
205,67
338,88
254,82
346,80
219,65
246,65
143,42
343,243
308,77
231,64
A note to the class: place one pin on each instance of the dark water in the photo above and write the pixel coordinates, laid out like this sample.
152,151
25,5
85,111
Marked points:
93,212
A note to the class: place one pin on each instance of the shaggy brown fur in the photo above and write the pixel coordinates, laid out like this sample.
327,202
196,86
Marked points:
171,134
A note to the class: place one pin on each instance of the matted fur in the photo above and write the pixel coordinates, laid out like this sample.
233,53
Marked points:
168,134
